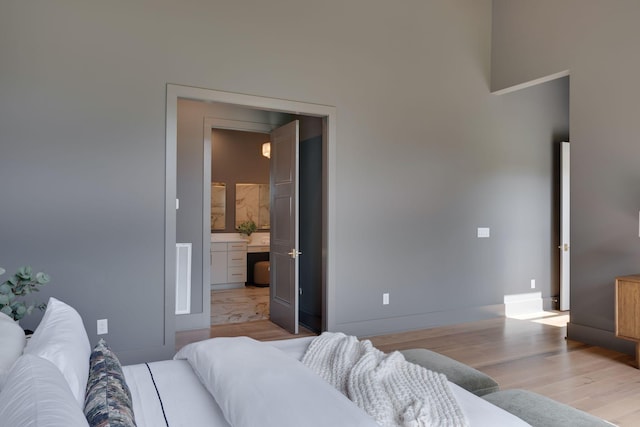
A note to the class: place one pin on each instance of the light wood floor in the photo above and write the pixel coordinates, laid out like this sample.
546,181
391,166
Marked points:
530,354
534,355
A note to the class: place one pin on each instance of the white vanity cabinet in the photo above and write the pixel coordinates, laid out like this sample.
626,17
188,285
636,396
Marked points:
228,264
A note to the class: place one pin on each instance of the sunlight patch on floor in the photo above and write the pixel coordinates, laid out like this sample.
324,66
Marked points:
551,318
560,320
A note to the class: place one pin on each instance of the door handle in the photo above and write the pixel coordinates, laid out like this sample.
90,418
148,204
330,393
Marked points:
564,247
294,253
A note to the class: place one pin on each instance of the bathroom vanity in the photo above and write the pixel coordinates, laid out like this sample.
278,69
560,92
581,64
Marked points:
233,258
228,264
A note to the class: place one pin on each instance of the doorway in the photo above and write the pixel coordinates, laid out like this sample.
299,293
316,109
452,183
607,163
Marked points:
238,107
242,181
239,192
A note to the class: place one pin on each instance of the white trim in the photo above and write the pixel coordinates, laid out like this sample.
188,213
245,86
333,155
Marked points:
183,279
525,303
530,83
261,103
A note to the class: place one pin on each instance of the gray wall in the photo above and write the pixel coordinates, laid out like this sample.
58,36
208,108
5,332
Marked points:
425,154
598,42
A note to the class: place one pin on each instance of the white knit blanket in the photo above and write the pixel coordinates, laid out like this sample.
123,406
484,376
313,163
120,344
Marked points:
390,389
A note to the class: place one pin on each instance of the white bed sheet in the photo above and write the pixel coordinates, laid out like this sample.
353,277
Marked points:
187,402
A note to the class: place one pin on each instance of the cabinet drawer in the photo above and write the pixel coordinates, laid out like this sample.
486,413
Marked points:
218,247
236,274
237,246
218,267
237,259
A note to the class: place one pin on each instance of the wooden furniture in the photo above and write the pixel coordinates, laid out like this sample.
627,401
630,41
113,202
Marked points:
628,310
228,264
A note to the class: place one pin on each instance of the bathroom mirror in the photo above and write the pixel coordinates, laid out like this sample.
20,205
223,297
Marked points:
252,203
218,205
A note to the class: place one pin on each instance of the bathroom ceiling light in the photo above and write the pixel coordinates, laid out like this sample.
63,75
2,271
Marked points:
266,150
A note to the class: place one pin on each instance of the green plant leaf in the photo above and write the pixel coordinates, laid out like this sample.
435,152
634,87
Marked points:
20,308
18,285
24,273
42,278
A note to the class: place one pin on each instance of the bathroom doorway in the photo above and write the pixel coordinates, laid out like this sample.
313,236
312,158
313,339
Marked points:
188,204
239,192
239,163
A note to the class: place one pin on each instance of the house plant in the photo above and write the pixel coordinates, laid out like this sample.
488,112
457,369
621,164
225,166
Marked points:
20,284
247,228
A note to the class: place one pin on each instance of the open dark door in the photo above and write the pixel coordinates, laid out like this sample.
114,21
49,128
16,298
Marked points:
284,227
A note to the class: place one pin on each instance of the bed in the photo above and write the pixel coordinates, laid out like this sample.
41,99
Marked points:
59,380
187,402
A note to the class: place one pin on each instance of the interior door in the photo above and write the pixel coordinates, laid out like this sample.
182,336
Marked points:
283,290
564,226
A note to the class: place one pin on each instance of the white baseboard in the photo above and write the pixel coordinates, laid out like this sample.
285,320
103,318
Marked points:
519,304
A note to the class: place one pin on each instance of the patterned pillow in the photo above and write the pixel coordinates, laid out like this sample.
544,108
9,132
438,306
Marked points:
108,399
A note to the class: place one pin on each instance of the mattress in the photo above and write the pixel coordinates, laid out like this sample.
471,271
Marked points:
169,393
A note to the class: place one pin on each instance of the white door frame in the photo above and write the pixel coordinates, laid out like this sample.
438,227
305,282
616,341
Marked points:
565,234
259,103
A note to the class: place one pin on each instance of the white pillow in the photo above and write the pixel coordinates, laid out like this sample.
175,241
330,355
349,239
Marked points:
5,317
255,384
13,342
37,395
61,338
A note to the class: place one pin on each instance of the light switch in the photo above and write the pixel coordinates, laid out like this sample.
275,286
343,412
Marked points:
483,232
103,326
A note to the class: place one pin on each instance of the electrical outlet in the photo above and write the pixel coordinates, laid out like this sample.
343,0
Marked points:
533,283
385,298
103,326
484,232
